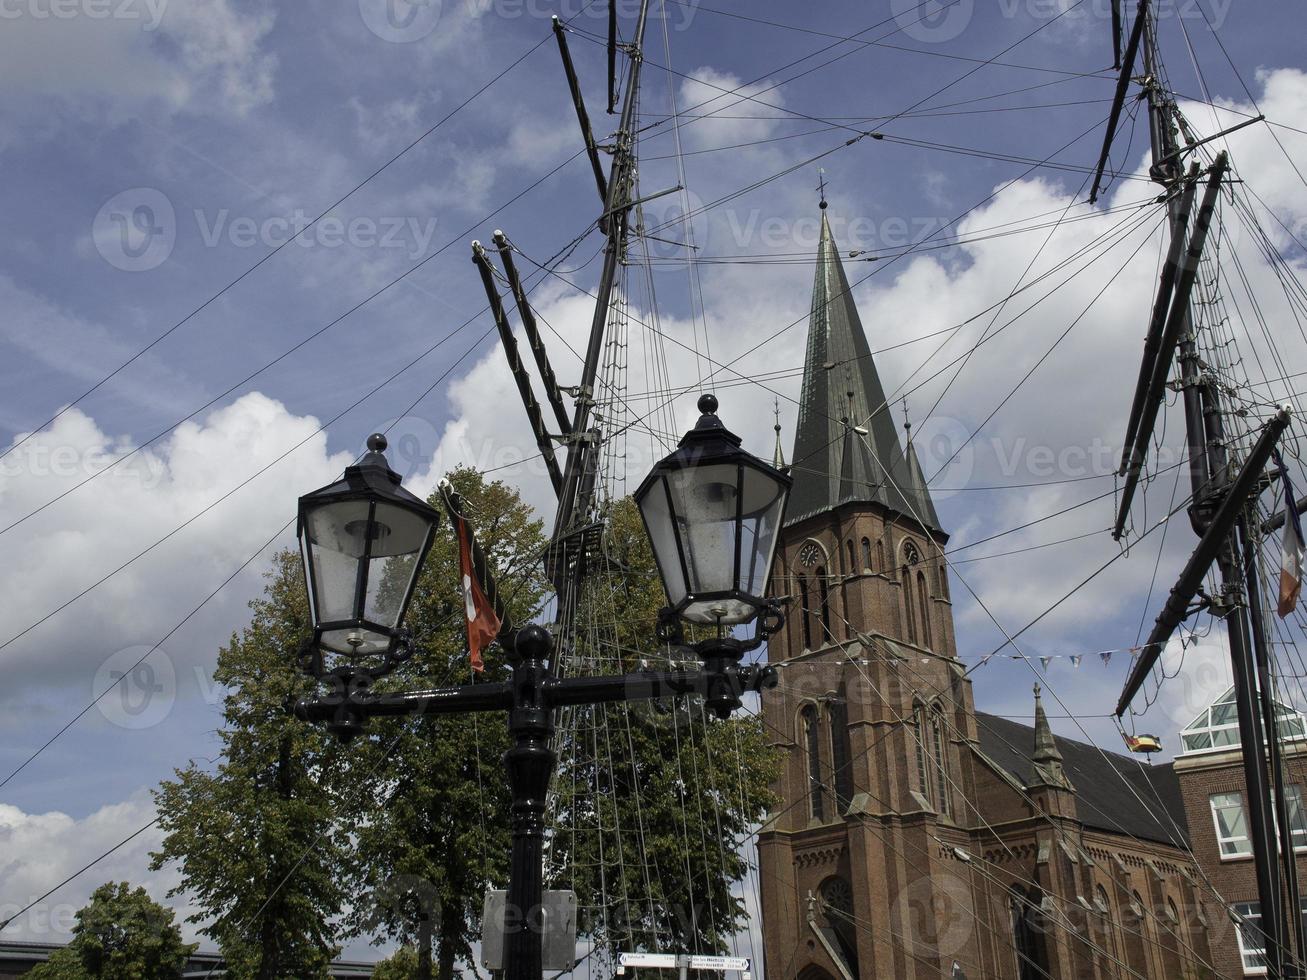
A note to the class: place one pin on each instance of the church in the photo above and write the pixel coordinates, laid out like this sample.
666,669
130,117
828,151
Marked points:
915,836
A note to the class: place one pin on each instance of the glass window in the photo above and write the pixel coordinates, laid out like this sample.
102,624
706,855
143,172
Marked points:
1217,728
1252,944
812,738
1297,819
941,762
919,735
866,554
1231,827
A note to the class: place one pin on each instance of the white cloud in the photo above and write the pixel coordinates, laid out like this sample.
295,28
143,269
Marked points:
114,59
41,849
94,530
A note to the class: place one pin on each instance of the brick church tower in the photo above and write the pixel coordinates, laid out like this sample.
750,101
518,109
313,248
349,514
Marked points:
878,861
872,694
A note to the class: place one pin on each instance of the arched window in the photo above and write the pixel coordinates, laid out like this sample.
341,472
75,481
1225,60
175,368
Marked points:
880,556
837,907
837,712
941,575
923,597
812,741
909,610
919,737
1027,932
866,555
1110,950
805,612
823,587
939,746
848,549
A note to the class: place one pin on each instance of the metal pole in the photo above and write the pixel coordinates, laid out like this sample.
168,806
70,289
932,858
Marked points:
530,764
1251,547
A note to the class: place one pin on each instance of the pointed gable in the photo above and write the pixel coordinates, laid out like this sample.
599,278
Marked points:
846,448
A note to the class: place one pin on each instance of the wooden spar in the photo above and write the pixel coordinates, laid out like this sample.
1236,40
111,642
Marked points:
571,501
1116,34
1177,315
1165,289
612,56
515,365
553,394
1118,99
583,117
1216,537
453,502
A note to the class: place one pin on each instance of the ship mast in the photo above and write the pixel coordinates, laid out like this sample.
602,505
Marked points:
1219,506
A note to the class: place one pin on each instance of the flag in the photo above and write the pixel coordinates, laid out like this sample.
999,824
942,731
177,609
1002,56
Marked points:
1291,550
482,623
1045,661
1107,657
1075,660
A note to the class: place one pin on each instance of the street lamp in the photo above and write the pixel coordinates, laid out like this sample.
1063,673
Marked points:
712,512
363,541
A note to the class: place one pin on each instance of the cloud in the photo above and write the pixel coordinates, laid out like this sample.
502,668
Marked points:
41,849
115,59
78,540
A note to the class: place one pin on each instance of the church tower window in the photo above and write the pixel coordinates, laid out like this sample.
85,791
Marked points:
939,745
923,597
805,612
910,613
823,586
841,756
866,554
812,741
853,565
919,738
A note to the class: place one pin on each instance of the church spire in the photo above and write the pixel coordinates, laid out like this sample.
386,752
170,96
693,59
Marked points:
778,455
846,446
1046,757
916,490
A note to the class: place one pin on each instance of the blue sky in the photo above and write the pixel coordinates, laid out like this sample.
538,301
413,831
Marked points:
155,152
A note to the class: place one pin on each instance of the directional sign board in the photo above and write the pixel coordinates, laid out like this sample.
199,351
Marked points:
734,963
672,961
663,960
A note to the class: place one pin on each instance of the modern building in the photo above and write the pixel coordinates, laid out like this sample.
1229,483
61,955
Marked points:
18,958
917,837
1210,771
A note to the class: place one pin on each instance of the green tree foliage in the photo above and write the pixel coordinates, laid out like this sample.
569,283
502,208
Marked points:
257,840
674,790
122,934
400,965
424,860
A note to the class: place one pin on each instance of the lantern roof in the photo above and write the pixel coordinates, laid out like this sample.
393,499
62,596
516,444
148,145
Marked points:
371,476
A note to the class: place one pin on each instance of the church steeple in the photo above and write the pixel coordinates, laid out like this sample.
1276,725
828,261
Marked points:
846,448
1047,757
778,454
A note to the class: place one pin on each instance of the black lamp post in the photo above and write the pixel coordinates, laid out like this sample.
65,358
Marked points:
713,513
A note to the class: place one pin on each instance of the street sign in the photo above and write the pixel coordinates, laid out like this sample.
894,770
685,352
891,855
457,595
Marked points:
663,960
734,963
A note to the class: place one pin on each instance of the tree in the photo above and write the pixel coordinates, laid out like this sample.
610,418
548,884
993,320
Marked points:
424,860
122,934
653,801
258,841
399,965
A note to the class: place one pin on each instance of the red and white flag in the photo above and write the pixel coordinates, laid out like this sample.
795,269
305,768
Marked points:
482,623
1292,551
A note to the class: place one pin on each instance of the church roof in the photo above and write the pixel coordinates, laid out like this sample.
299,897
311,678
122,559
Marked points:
1103,782
846,447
